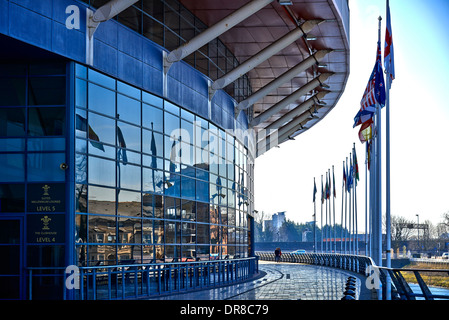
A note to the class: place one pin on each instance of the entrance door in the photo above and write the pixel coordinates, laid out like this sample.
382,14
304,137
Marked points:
10,257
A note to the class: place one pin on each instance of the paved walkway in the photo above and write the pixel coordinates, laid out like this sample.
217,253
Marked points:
284,281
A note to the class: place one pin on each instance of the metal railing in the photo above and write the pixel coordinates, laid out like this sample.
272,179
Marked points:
137,281
400,289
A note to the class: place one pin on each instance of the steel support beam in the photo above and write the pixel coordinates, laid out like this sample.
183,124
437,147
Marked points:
213,32
102,14
303,107
290,99
263,55
285,77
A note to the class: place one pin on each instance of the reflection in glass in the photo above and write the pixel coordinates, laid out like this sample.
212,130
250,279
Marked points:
128,176
102,255
153,118
101,200
101,171
147,231
130,230
12,198
45,167
128,203
46,91
46,121
101,100
129,136
81,198
152,180
172,232
80,228
13,166
128,109
12,122
153,143
101,129
172,208
188,233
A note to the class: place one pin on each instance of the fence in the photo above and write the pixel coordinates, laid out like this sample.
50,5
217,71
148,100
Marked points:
135,281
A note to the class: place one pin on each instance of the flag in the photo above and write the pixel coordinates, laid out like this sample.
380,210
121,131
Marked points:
374,92
388,50
314,189
322,190
344,177
327,187
121,153
81,124
153,149
333,176
356,167
366,131
368,153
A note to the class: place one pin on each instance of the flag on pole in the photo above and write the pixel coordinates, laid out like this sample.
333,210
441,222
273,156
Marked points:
327,187
356,166
322,190
344,178
388,50
333,176
314,189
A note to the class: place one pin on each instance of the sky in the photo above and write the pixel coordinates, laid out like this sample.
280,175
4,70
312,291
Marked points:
419,117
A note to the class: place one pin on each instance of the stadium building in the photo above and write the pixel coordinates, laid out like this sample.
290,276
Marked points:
129,131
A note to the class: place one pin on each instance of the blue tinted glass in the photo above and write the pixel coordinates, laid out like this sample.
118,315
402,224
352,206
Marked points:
187,134
45,167
202,191
46,144
80,168
172,185
101,79
128,109
128,136
153,100
101,100
80,71
46,91
187,154
153,143
12,167
170,107
46,121
81,93
13,92
12,121
101,171
101,200
187,188
101,129
11,145
187,115
131,157
101,150
128,90
153,180
128,176
172,124
153,162
152,118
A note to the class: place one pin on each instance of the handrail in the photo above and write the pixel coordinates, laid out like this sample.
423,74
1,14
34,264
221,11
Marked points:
123,281
359,264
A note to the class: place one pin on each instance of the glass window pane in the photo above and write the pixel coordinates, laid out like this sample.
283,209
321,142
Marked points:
172,125
12,121
102,79
128,203
81,198
13,92
12,198
80,93
101,129
202,212
128,176
101,171
188,210
153,143
101,200
187,187
80,168
12,145
128,109
46,144
46,121
45,167
128,136
101,100
172,208
46,91
152,180
152,118
128,90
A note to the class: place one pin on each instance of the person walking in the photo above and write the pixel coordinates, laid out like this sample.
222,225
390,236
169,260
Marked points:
277,254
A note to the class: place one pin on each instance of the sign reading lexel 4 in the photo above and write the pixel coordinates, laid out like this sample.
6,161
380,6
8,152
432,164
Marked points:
46,228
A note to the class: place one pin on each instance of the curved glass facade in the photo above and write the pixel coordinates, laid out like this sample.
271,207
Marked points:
154,182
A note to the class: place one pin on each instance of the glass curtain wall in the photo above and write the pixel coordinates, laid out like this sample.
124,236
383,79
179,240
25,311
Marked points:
154,182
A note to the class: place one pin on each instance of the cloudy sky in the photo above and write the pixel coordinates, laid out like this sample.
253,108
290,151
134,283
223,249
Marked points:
419,121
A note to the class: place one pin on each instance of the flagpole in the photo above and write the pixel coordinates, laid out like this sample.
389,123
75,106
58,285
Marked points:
333,197
346,206
314,215
342,201
322,200
366,198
